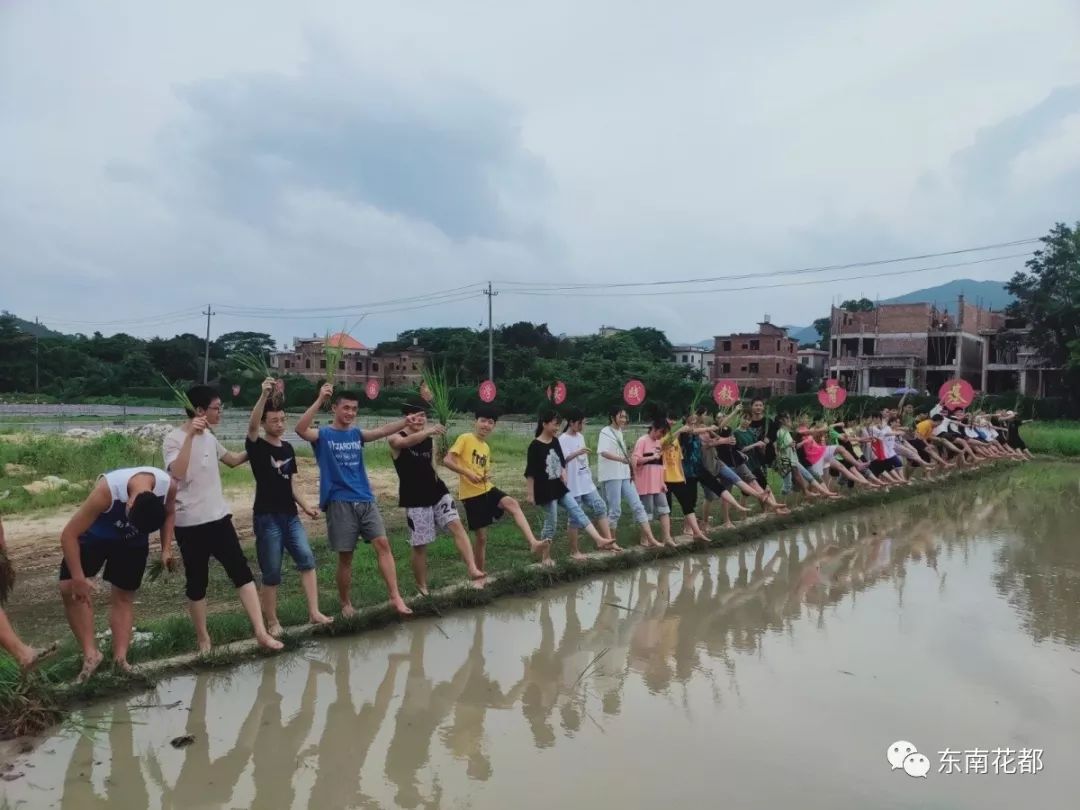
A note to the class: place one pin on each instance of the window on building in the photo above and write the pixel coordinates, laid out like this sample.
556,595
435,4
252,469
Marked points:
755,345
791,348
307,363
414,367
685,359
742,368
727,346
359,365
322,363
754,368
726,368
341,365
286,362
745,346
778,345
777,368
375,366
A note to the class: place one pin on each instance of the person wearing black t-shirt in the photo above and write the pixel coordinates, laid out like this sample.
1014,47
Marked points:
277,524
765,430
545,483
429,507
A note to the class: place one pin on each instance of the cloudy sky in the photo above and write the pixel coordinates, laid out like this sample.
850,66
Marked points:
298,166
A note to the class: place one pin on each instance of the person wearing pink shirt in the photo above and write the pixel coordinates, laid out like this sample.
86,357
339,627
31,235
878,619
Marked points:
649,476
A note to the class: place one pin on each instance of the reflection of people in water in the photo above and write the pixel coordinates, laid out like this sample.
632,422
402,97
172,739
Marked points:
654,636
609,635
277,749
126,789
203,783
465,738
348,736
424,707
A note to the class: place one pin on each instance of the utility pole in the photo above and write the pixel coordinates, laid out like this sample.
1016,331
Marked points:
491,340
206,357
37,356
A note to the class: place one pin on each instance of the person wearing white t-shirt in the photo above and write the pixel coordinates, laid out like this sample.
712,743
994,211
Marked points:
204,526
614,473
580,482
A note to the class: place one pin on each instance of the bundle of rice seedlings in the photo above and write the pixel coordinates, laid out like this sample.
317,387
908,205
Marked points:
256,367
435,380
179,396
7,576
333,352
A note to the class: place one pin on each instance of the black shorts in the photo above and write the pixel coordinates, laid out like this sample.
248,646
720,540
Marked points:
124,562
685,492
483,510
217,539
920,447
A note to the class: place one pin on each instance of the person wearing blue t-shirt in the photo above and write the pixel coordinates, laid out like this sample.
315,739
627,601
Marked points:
345,493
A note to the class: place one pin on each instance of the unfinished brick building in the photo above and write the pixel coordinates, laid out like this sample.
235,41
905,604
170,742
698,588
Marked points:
910,346
764,360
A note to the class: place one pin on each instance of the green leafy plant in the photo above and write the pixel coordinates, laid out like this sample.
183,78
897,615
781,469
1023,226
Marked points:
180,396
435,381
333,352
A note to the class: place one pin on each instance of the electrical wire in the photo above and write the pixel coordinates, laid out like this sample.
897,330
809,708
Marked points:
699,291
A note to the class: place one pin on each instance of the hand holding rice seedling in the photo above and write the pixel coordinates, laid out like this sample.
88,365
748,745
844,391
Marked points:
435,380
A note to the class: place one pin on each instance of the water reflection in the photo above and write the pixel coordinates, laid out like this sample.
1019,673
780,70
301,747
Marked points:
401,718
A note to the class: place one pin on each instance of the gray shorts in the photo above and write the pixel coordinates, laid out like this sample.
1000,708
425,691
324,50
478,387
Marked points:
348,522
425,522
656,504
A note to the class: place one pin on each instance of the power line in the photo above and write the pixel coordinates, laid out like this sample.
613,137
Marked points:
768,274
698,291
365,306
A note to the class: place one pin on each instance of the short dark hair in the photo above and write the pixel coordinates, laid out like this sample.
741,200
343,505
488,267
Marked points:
201,396
660,423
345,394
410,408
487,412
574,415
147,513
937,417
614,411
272,406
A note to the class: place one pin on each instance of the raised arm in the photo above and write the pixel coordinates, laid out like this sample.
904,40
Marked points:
178,467
381,432
303,427
97,502
398,442
257,411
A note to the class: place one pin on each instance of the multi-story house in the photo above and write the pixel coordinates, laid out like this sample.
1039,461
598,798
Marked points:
764,360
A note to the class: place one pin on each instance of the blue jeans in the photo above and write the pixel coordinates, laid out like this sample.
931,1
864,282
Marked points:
275,533
592,502
617,490
576,514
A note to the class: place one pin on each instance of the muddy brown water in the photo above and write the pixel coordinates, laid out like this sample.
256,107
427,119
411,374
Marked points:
768,676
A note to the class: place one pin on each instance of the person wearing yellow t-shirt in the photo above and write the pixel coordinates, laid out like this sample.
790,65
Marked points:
484,503
678,486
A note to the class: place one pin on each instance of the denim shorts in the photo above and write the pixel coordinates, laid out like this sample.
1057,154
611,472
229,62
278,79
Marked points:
274,534
592,503
656,504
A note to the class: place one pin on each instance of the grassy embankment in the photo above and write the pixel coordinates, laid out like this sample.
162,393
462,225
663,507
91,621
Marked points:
26,706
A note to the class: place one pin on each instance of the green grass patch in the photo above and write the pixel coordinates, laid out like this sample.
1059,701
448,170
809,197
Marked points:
1053,438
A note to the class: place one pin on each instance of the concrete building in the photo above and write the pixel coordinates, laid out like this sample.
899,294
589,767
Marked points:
358,363
909,345
608,331
817,360
1009,364
693,357
764,360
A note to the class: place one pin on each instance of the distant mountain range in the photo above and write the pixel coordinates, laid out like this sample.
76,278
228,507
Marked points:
986,294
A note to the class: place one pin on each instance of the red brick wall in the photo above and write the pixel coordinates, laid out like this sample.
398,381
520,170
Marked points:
767,356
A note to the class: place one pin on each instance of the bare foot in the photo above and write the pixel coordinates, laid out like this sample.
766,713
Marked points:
670,542
547,562
541,549
477,583
728,525
275,629
123,666
579,557
614,548
268,642
701,538
205,645
320,618
348,611
401,607
90,665
476,573
34,658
